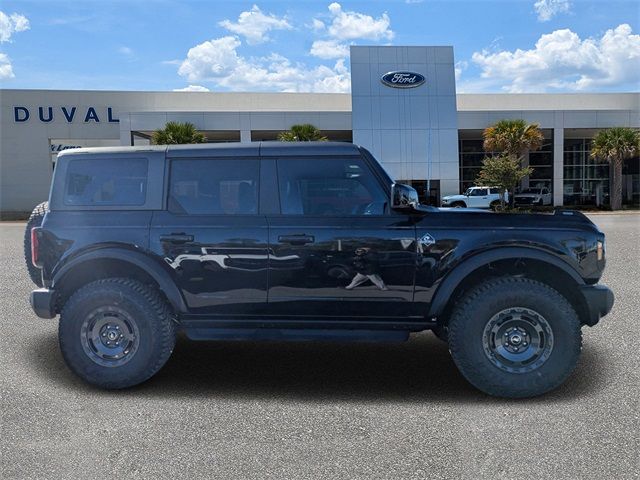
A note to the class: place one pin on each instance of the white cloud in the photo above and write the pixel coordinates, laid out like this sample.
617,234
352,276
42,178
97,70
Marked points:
317,25
329,49
126,51
460,67
6,70
562,61
217,61
254,25
192,88
347,25
10,24
547,9
211,59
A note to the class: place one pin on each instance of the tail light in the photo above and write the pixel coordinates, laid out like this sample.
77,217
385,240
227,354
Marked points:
35,247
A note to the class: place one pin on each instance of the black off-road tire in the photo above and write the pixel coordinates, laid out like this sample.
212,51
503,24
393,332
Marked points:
458,205
35,220
441,332
471,347
127,302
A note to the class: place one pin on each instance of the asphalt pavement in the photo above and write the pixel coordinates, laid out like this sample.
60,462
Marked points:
319,410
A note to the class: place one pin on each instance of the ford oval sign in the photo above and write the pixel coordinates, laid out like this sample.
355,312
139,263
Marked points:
402,79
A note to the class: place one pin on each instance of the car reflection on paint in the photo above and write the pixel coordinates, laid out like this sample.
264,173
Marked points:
235,258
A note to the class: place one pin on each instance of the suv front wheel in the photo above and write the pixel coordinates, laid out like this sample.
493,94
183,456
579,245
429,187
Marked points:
514,337
116,332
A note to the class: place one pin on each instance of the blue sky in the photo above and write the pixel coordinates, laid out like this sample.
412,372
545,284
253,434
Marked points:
500,46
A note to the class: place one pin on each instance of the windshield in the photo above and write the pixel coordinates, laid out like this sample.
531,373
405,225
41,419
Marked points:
475,192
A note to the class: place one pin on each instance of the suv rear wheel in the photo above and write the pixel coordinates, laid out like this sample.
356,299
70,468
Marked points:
514,337
116,332
35,220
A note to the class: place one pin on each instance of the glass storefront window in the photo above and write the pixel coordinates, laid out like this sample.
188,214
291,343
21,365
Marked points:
586,180
472,154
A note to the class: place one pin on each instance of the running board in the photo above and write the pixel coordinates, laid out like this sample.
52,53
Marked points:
297,334
192,322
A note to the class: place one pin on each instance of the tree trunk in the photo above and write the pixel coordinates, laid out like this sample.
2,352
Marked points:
616,184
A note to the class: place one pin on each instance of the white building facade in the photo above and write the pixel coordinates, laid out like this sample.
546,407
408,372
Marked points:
403,108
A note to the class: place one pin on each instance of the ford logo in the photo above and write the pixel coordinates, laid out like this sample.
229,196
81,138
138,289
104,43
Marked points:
402,79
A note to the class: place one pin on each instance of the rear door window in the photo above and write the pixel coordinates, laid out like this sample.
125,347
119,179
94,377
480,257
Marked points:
214,186
116,181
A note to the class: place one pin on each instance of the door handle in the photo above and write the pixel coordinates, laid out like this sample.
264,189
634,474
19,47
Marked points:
176,238
296,239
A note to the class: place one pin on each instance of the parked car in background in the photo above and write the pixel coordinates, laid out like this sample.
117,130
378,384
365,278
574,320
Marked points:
475,197
533,196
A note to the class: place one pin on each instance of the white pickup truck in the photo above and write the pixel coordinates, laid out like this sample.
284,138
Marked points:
475,197
533,196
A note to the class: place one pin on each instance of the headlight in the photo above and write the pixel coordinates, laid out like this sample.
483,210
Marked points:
600,249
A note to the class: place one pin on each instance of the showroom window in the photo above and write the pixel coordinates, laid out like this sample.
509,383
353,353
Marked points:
542,163
472,153
471,156
586,181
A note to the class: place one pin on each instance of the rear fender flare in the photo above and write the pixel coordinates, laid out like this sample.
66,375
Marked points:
140,260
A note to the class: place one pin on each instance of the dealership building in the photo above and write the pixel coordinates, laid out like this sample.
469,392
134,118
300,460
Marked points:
412,120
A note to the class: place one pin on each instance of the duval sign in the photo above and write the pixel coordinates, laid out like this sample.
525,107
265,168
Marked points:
402,79
68,114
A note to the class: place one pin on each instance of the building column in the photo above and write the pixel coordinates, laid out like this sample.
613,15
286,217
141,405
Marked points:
245,136
558,166
125,129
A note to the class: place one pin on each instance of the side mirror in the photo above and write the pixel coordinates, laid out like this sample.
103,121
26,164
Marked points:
403,197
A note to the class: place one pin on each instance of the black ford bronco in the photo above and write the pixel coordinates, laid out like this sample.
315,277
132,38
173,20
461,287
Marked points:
302,241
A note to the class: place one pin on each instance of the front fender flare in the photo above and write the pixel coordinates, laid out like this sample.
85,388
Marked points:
140,260
451,281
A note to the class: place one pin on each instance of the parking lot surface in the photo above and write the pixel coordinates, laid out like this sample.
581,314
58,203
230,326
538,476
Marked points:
319,410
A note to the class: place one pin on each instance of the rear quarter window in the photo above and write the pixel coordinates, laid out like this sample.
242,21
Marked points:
106,182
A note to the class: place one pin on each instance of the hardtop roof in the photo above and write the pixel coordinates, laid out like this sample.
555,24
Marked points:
265,149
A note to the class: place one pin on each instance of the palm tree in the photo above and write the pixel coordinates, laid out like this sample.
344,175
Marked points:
515,139
302,133
177,133
614,146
